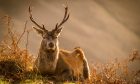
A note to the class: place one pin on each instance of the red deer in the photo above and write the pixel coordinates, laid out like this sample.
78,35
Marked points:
65,65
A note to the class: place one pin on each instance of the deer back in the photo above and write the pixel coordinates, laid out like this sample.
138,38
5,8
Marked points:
71,61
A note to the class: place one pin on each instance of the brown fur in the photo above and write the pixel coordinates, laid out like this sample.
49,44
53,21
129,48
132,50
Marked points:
71,65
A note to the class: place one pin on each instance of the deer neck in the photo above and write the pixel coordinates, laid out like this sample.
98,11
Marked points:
48,59
52,55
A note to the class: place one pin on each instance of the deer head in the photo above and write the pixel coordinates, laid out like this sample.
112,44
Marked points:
50,38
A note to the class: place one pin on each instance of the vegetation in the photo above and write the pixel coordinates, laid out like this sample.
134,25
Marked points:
16,65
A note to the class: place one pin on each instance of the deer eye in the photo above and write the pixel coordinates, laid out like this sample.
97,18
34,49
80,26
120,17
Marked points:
54,37
44,37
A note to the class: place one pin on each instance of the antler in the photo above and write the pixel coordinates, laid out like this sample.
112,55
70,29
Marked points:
66,17
32,19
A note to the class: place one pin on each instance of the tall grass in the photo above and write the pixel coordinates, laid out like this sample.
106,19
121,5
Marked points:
14,61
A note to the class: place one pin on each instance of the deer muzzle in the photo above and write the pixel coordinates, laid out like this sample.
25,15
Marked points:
51,45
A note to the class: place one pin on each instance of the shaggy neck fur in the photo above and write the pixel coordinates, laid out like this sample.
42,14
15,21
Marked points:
48,59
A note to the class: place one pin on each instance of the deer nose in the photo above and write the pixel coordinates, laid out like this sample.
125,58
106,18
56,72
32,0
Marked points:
51,45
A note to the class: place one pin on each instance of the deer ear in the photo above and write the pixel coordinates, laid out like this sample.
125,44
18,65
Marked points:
58,31
39,31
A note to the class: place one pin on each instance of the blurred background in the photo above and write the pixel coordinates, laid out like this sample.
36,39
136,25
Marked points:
104,29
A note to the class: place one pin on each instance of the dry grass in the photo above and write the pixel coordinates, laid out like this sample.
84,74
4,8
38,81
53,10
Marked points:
16,65
14,61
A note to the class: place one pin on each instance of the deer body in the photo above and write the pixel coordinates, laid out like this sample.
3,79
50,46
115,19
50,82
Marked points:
64,65
72,65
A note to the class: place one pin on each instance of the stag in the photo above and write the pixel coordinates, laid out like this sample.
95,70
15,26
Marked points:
51,60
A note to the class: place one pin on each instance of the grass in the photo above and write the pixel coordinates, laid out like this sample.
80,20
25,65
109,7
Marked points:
16,65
